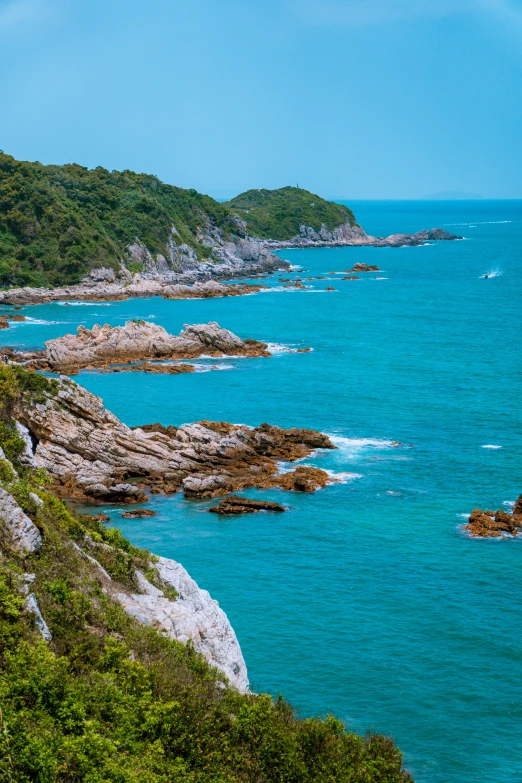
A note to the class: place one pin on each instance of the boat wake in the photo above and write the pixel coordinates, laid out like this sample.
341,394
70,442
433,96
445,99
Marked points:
492,273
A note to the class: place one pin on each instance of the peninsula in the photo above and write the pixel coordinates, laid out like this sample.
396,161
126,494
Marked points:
67,232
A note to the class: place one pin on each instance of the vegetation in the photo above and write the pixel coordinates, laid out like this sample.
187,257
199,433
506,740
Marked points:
111,701
278,214
59,222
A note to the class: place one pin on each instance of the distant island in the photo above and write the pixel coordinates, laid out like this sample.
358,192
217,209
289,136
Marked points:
453,195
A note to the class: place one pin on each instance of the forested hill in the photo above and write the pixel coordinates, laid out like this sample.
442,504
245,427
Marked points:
278,214
57,223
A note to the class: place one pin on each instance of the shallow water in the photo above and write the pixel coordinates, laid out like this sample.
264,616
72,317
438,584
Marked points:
365,599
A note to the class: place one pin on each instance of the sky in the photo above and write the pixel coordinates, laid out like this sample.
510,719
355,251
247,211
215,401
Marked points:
351,99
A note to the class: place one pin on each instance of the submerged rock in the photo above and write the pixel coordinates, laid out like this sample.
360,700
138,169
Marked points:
234,504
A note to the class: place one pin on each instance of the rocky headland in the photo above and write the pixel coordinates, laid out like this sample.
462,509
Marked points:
348,235
90,454
495,524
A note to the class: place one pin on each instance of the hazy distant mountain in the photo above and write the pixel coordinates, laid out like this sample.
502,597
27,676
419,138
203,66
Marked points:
451,195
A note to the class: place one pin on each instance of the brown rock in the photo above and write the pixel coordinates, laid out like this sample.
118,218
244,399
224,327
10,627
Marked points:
138,512
490,524
234,504
304,479
330,288
359,267
351,277
4,324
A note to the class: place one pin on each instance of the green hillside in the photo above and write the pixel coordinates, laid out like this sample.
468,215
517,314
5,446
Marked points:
277,214
108,700
58,222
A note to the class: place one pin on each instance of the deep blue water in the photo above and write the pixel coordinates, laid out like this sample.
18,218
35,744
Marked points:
366,599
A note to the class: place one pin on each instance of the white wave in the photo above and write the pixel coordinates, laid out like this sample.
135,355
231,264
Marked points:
38,321
463,516
352,445
85,304
380,278
391,492
508,503
492,273
342,477
490,446
278,348
209,367
480,223
296,268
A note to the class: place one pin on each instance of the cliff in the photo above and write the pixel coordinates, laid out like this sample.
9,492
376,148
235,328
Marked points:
116,666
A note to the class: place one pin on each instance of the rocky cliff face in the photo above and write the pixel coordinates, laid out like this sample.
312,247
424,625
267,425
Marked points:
178,608
90,453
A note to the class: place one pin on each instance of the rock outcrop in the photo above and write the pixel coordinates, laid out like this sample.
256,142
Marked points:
495,524
91,454
193,616
143,341
235,504
349,235
23,534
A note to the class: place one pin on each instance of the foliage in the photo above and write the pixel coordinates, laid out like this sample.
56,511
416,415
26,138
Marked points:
59,222
278,214
113,701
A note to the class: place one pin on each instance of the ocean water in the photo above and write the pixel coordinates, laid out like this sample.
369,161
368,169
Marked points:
365,599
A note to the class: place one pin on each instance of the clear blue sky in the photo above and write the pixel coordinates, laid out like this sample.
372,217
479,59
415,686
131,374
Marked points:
349,98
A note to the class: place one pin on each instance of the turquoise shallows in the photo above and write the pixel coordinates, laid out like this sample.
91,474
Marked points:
365,599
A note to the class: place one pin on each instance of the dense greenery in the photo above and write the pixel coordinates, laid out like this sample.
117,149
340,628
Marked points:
277,214
112,701
58,222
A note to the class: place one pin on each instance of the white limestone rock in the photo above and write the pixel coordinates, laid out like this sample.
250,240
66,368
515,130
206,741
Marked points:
31,605
194,616
22,532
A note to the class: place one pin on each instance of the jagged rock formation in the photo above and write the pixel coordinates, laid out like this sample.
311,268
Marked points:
234,504
143,341
90,453
495,524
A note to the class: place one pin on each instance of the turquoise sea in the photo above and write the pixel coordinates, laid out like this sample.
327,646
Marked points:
365,599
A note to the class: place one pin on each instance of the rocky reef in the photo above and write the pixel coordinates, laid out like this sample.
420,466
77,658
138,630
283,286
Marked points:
495,524
90,454
141,341
235,504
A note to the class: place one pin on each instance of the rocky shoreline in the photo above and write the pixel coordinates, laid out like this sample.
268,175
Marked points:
193,279
91,455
